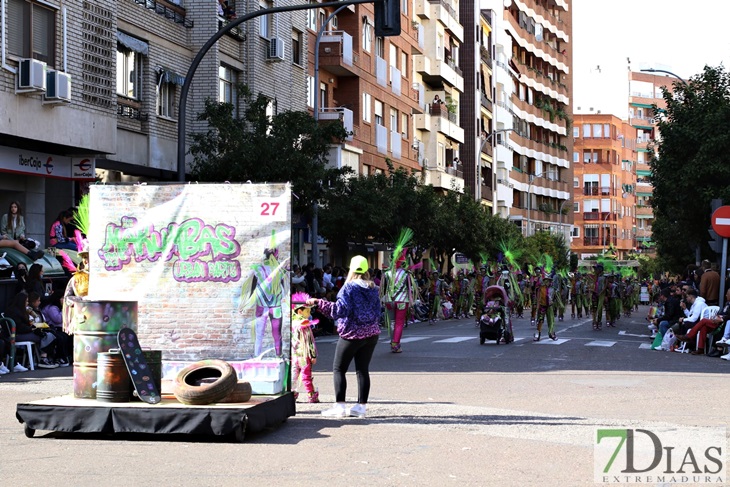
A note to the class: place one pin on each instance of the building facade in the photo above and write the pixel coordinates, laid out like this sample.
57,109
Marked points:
89,89
604,186
532,92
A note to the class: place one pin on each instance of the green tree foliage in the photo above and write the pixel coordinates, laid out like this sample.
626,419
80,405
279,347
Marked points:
691,164
546,243
289,146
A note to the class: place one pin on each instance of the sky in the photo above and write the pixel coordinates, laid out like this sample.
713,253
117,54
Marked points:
675,35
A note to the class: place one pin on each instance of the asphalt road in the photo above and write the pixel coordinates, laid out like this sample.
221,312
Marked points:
446,411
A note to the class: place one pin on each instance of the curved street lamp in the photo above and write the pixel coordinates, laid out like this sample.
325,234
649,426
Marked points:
652,70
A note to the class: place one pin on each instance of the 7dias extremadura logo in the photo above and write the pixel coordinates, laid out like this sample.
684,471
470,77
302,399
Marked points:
660,455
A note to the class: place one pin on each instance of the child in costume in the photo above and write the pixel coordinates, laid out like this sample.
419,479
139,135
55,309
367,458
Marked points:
544,298
303,347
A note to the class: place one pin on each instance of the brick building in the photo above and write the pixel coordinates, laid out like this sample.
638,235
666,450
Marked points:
98,92
604,183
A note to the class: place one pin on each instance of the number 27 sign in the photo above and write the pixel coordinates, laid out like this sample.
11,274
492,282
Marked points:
271,209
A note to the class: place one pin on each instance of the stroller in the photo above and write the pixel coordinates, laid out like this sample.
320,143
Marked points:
495,322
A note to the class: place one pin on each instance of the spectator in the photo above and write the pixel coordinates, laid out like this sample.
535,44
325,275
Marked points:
671,310
327,278
710,284
59,237
35,281
25,331
12,226
691,315
62,343
21,276
14,244
704,326
297,279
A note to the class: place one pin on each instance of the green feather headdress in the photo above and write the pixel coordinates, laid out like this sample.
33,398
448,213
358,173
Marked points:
81,215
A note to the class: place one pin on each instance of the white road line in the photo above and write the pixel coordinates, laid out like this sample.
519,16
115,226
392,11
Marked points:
547,341
455,339
645,346
623,333
600,343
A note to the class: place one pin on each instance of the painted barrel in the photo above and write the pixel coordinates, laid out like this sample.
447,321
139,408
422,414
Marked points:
97,324
154,363
112,378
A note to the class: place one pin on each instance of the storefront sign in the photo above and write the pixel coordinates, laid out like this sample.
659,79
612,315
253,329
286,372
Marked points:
32,163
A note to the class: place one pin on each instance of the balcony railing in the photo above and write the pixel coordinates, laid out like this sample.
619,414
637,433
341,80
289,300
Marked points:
599,190
591,241
169,10
455,172
599,216
486,102
486,56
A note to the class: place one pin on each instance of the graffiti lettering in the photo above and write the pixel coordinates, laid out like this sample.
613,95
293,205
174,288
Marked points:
199,252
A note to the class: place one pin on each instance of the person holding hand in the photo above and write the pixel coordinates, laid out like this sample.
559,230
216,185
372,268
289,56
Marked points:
357,312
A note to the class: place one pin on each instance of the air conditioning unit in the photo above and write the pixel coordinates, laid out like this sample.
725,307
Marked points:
276,49
502,181
31,76
58,87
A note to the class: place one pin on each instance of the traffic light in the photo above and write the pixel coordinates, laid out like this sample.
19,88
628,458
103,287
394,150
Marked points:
387,18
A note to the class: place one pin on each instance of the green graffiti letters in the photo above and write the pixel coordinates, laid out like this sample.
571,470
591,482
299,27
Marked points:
204,253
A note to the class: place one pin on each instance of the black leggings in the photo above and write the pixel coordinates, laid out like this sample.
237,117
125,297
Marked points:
362,351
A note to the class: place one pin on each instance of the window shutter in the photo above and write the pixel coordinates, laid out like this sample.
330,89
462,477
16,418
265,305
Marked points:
18,15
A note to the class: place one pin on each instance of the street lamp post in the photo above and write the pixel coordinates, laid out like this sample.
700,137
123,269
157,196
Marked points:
652,70
604,232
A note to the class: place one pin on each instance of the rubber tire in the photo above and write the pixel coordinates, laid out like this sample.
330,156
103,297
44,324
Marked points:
241,393
188,392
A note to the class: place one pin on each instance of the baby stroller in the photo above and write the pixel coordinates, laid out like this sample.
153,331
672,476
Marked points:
495,322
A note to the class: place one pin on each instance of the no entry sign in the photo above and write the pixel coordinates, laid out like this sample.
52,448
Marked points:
721,221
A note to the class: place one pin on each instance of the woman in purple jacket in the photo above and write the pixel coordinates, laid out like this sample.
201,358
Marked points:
357,312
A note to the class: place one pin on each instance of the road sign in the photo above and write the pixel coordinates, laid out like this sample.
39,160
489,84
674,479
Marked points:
721,221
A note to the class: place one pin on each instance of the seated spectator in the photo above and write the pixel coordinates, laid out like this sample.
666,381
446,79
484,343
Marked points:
327,277
25,331
59,238
297,280
21,277
705,326
3,353
692,315
671,311
34,284
14,244
224,10
12,226
63,343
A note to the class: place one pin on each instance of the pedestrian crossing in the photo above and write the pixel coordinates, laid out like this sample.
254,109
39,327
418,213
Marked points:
523,341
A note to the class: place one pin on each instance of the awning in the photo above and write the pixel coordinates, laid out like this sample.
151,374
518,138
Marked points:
642,172
136,45
642,105
170,76
643,127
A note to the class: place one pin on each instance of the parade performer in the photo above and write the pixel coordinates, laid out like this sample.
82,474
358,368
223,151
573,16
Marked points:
576,300
536,283
598,295
470,293
434,296
398,290
303,347
520,305
613,296
464,283
77,287
561,295
545,294
264,289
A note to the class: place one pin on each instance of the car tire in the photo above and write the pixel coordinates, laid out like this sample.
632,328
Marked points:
193,384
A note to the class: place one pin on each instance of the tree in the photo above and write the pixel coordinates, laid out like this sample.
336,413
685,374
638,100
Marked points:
546,243
690,165
288,146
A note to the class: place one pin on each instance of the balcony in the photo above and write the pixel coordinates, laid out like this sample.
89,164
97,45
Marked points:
445,13
342,114
447,179
396,143
485,55
487,193
335,53
486,102
446,122
599,216
599,191
395,80
435,71
486,148
381,138
381,71
644,210
591,241
169,10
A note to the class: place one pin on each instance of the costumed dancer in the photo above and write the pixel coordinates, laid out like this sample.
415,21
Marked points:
520,305
463,311
576,300
470,293
78,286
434,294
264,289
598,295
303,347
398,290
561,294
545,294
613,295
536,284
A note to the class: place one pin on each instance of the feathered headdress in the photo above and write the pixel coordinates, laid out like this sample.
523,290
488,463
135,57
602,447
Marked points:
81,220
299,300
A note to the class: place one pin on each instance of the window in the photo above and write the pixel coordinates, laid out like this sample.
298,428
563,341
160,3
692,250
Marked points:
31,31
576,157
404,10
576,207
575,232
310,91
366,107
296,47
576,132
597,130
607,130
403,63
129,73
591,231
378,112
367,35
393,120
265,21
226,80
166,100
587,130
322,19
404,125
380,47
576,182
322,95
312,17
334,22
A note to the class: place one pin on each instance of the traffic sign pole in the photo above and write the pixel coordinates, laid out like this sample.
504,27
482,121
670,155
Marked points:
723,272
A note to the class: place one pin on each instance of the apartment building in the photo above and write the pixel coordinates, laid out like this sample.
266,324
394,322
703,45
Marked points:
89,89
645,91
605,186
532,93
398,96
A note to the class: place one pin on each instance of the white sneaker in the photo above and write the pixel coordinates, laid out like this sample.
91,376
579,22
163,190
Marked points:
358,411
723,340
726,357
19,368
4,369
339,410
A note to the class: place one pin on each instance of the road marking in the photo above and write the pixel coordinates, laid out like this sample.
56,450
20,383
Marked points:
600,343
645,346
455,340
414,339
548,341
623,333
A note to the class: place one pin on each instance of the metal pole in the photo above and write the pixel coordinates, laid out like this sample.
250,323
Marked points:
182,108
652,70
315,206
723,270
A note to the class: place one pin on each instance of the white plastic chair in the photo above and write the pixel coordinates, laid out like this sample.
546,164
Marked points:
708,313
30,351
